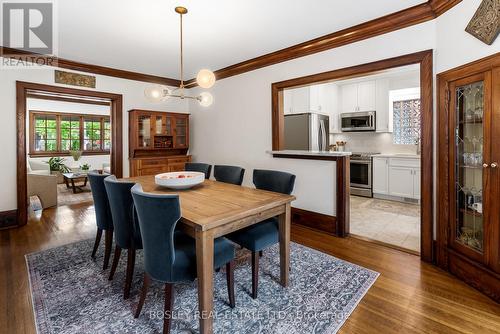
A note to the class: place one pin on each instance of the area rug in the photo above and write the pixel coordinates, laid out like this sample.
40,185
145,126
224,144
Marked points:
71,294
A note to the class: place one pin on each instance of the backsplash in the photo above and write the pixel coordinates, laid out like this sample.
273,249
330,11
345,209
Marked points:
372,142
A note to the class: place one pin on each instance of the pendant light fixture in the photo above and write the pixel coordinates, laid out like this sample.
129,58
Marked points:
204,79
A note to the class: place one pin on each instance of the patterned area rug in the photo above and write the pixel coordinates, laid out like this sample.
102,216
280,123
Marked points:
71,294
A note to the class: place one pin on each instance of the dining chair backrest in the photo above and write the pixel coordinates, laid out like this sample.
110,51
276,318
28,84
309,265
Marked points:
126,228
273,180
158,215
229,174
101,203
199,167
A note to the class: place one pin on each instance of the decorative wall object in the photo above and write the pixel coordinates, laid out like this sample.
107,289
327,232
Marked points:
485,24
74,79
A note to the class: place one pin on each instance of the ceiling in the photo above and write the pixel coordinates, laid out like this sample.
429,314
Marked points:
143,36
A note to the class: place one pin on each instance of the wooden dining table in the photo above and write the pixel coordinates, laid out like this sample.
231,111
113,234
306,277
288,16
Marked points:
214,209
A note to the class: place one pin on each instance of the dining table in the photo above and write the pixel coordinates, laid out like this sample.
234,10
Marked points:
214,209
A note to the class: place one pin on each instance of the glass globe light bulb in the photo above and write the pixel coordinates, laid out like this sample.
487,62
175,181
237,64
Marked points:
206,99
205,78
155,93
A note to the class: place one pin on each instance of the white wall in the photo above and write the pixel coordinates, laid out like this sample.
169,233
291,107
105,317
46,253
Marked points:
455,46
133,97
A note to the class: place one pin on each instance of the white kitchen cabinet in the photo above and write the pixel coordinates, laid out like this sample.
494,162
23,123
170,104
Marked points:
380,175
359,96
306,99
416,183
287,102
367,96
401,181
383,116
349,96
396,176
300,100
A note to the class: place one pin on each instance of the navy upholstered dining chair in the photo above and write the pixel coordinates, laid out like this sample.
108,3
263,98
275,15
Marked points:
199,167
260,236
229,174
170,255
103,216
127,232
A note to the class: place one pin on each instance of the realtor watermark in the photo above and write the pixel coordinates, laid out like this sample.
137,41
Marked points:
29,34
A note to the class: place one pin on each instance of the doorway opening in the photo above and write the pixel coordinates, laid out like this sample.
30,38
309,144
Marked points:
63,133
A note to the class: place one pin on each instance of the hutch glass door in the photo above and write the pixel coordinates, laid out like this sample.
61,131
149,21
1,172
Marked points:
469,133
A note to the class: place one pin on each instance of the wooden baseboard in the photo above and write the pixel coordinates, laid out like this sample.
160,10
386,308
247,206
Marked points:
8,219
314,220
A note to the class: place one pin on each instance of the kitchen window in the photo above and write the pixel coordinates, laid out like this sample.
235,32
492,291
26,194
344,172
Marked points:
405,105
54,133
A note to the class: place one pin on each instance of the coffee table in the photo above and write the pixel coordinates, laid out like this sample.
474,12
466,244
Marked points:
75,177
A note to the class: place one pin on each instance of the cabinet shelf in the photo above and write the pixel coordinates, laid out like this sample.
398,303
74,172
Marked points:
471,212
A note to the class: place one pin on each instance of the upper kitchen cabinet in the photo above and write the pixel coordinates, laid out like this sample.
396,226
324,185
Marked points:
305,99
384,114
359,96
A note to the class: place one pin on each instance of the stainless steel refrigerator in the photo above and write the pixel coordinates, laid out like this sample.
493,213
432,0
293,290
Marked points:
307,131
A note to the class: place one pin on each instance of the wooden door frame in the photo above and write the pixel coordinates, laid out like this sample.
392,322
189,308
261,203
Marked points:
22,91
425,60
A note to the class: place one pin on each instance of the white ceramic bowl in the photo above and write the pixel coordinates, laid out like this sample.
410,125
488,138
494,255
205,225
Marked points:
179,180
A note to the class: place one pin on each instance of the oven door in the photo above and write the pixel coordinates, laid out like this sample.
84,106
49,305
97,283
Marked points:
361,174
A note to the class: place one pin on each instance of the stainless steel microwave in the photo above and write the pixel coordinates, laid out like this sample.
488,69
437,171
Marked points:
358,121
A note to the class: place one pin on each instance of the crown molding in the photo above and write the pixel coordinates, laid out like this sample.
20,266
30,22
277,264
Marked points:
407,17
91,68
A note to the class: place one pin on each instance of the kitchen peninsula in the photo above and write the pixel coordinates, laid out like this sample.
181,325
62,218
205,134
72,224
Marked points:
339,223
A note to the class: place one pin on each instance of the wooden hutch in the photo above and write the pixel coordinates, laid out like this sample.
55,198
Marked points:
158,142
468,232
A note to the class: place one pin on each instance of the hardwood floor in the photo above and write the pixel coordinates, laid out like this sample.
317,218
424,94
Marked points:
408,297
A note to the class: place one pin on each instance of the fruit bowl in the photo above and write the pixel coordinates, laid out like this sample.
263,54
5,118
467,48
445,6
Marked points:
179,180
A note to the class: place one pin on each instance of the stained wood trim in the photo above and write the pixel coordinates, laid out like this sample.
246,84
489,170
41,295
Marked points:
314,220
382,25
8,219
307,157
91,68
343,193
424,59
67,99
22,90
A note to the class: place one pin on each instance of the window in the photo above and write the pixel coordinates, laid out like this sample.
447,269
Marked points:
58,133
405,106
406,121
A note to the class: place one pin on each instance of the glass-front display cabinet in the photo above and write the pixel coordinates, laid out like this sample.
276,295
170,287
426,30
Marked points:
468,203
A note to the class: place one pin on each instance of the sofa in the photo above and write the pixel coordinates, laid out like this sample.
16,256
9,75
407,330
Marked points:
41,183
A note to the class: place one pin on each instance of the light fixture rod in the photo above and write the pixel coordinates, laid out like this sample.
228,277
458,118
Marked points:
182,57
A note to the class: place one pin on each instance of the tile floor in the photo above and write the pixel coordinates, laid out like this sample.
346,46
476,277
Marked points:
391,222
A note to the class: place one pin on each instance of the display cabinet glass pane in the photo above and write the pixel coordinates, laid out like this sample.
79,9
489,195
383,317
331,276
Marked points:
469,165
144,131
159,125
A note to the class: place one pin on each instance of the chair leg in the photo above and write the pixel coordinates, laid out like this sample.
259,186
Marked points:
144,291
108,238
167,311
230,282
130,272
96,242
255,274
116,259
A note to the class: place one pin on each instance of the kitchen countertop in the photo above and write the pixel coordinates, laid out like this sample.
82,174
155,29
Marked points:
397,155
311,153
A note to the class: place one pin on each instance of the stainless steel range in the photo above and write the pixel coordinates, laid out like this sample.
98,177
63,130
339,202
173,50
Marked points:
361,174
